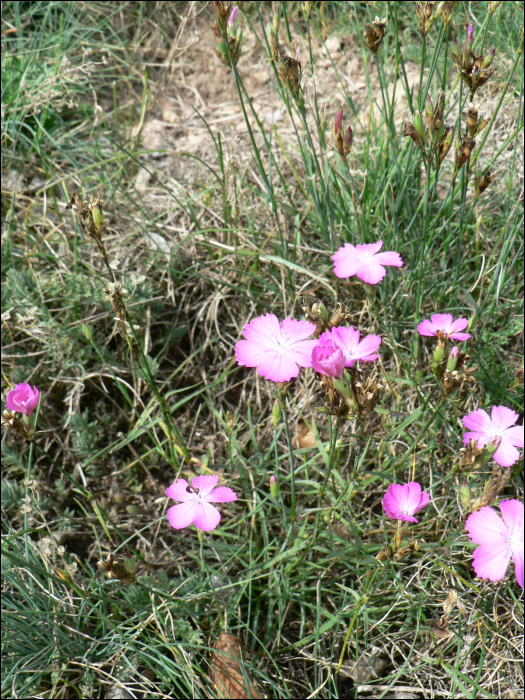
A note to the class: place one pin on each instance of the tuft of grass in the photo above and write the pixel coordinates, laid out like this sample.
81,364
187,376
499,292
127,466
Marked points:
209,222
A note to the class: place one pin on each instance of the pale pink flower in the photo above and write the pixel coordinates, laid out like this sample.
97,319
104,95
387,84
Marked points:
401,501
365,261
23,399
196,508
453,352
347,340
500,540
233,16
446,324
327,358
497,428
276,350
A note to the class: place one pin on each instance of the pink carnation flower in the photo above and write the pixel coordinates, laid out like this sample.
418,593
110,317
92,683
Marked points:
327,358
496,428
347,340
401,501
276,350
23,399
500,540
196,508
446,324
365,261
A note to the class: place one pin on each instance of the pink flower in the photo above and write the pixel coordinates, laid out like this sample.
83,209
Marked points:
23,399
500,540
276,350
401,501
347,340
233,16
327,358
364,261
196,508
496,428
453,352
446,324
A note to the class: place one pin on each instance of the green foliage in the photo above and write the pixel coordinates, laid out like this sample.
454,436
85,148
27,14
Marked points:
250,213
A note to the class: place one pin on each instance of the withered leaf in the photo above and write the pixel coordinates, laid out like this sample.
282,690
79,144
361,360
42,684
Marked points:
226,674
303,437
451,602
440,628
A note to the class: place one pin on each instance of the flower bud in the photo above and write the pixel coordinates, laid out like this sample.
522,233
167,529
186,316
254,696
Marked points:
486,63
465,496
452,361
338,122
233,17
276,414
348,138
274,487
429,111
488,452
418,125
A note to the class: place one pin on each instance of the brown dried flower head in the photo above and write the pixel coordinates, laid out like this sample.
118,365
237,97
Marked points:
374,34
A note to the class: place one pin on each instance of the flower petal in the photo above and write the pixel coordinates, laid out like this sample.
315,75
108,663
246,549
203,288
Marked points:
181,515
512,513
506,455
514,435
346,261
262,328
206,517
503,417
222,494
205,483
293,331
389,258
517,555
250,353
479,422
302,352
460,337
458,325
443,322
178,491
371,272
426,328
368,346
279,369
484,526
490,561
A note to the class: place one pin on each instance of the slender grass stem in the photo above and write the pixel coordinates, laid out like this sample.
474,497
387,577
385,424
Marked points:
282,403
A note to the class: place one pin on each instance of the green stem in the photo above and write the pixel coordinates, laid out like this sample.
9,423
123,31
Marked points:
421,434
282,403
333,444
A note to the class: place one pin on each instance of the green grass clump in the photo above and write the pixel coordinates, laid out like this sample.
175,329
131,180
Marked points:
213,215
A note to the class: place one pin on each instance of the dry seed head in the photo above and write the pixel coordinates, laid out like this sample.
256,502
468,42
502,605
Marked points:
481,182
374,34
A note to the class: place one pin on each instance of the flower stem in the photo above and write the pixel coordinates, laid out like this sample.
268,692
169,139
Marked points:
282,403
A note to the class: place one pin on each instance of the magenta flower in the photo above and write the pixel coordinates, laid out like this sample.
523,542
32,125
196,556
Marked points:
500,540
327,358
446,324
497,428
23,399
401,501
196,508
276,350
364,261
347,340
